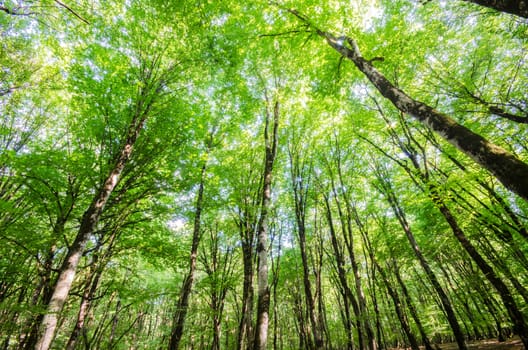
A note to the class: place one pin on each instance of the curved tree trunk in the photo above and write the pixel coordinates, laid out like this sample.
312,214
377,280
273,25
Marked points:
506,167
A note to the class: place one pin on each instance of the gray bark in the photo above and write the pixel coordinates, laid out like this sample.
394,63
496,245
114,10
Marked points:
506,167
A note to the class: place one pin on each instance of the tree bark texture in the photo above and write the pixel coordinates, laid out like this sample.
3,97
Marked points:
261,327
90,288
514,7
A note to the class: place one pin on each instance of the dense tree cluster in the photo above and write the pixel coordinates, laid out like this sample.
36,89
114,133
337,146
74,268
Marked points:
262,175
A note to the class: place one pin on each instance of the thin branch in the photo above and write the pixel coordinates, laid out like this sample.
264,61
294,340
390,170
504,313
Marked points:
69,9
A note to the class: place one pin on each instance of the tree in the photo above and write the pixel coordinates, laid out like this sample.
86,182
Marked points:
271,140
372,232
508,169
153,77
183,301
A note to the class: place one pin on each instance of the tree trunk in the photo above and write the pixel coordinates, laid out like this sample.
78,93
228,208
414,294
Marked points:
218,265
89,291
183,302
300,183
514,7
89,222
261,327
246,223
245,328
346,220
519,324
397,307
386,189
507,168
342,276
412,309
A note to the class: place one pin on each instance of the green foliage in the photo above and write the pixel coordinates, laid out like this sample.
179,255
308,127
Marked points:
208,72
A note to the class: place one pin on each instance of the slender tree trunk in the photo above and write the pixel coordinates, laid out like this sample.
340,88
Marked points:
506,167
90,219
397,307
386,188
261,327
520,326
43,290
245,328
182,305
412,308
346,220
300,184
342,275
319,291
89,291
89,222
218,266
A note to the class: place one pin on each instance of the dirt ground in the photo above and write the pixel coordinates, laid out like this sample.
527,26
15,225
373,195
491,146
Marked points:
489,344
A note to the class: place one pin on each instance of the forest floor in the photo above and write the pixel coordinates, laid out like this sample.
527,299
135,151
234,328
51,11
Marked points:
488,344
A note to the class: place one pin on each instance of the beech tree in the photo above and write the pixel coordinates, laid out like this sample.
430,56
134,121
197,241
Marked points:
155,194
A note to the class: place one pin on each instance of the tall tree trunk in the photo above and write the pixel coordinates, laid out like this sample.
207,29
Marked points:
43,291
98,266
433,192
245,328
386,188
91,217
300,183
514,7
89,222
412,308
506,167
218,266
182,305
398,307
408,301
346,222
520,326
261,327
342,275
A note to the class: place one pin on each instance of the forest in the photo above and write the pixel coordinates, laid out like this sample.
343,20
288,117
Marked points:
259,175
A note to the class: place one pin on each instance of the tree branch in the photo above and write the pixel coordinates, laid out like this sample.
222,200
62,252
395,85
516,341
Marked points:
69,9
